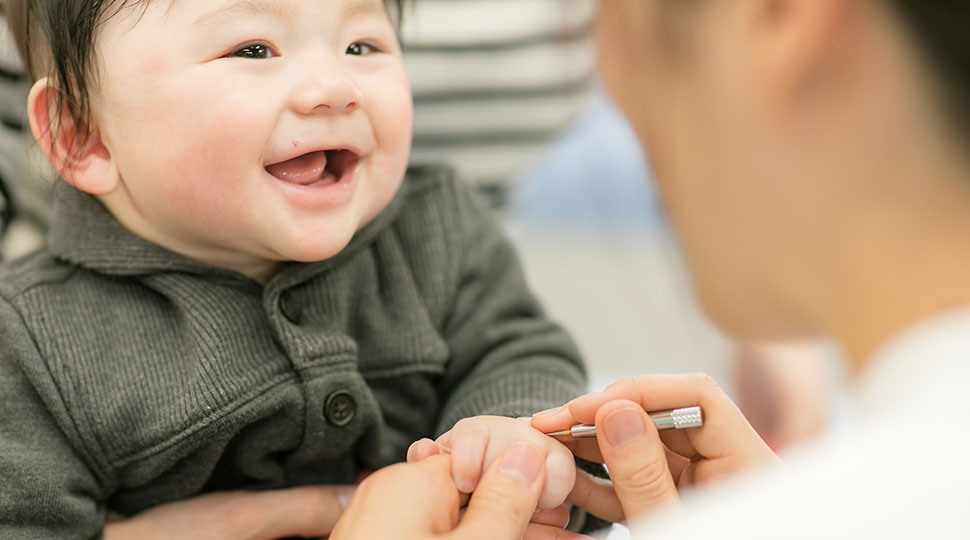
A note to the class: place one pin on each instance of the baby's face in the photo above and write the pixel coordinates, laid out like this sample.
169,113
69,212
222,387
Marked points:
248,132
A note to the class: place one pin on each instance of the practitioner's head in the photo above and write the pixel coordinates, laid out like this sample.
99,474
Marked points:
755,115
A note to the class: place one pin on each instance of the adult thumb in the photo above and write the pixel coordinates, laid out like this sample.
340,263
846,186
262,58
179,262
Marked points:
506,497
635,456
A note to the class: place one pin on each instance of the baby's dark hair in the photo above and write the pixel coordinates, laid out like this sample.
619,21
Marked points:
55,38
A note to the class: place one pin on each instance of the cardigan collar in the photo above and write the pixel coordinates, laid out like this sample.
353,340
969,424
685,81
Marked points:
85,234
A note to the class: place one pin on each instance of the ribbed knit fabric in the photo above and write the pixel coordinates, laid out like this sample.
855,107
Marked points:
131,376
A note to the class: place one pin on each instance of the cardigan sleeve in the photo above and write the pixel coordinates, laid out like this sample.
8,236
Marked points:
507,357
47,492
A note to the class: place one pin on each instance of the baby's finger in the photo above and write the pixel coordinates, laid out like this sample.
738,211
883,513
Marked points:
555,517
469,439
560,475
444,442
596,496
584,448
536,531
421,449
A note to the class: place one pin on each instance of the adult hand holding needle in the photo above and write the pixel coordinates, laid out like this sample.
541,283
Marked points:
682,418
648,461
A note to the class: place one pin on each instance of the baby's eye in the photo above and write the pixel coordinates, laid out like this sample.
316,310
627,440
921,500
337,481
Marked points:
255,51
361,48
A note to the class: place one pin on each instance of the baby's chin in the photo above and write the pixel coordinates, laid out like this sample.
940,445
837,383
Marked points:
315,250
323,237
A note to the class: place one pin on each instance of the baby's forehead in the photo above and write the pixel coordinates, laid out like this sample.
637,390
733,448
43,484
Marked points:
261,5
135,10
227,8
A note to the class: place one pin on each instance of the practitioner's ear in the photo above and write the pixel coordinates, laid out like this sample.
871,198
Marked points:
795,40
83,162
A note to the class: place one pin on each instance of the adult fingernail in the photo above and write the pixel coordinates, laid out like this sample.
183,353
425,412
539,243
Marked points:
345,494
522,460
623,426
584,398
549,412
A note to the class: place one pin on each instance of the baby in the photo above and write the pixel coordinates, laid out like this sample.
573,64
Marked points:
242,287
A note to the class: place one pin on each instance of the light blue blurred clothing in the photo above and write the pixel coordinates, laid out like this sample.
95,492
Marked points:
594,173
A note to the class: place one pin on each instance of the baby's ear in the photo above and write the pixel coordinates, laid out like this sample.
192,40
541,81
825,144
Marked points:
84,162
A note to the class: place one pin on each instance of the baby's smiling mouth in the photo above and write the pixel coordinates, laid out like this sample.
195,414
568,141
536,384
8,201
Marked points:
320,168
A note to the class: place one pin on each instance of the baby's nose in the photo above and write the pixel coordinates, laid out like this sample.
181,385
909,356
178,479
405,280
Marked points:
327,91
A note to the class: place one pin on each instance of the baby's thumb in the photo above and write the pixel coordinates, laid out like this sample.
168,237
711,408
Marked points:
635,457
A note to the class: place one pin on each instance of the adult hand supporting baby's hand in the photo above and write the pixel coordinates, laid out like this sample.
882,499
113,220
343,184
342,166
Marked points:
419,500
647,466
475,442
310,512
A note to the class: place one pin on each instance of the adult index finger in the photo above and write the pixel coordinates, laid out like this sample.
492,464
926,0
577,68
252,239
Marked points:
723,421
506,497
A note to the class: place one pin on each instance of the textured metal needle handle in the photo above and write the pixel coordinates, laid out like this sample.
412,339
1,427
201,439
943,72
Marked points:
683,418
686,417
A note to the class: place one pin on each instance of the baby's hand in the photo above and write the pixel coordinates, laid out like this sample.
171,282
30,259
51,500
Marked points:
474,442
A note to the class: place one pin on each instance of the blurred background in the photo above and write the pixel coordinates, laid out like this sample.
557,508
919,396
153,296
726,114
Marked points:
600,254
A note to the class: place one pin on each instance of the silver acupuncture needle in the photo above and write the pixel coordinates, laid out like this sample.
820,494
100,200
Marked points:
686,417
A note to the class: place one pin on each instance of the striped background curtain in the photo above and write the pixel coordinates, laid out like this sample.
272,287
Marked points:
24,192
495,80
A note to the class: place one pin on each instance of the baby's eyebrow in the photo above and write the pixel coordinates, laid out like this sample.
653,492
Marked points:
246,7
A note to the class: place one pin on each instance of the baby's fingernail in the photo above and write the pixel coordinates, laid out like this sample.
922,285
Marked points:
522,460
549,412
345,494
623,426
465,485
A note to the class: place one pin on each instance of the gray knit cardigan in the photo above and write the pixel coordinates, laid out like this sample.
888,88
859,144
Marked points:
131,376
